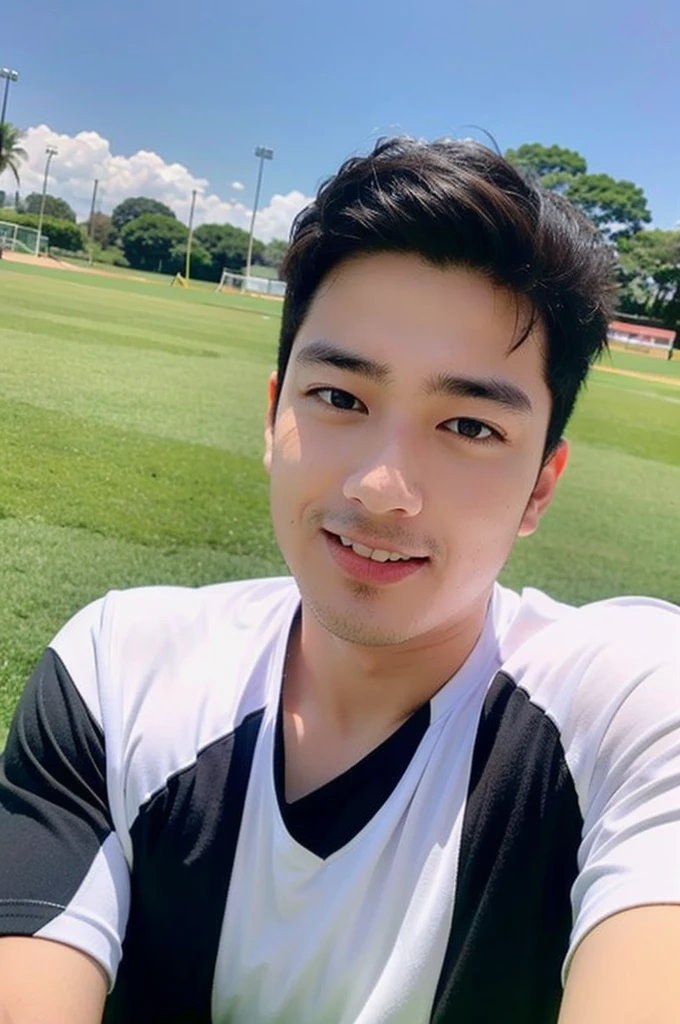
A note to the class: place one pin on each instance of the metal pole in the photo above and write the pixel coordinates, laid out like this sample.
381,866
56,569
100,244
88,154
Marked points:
51,151
4,98
90,230
187,266
94,200
264,154
9,76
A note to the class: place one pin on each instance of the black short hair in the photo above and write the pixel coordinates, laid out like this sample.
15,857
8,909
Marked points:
458,203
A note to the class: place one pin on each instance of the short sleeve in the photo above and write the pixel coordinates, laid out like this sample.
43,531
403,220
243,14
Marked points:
63,875
630,850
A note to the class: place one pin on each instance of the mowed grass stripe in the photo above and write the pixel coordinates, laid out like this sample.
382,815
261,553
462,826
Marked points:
643,363
621,414
151,286
69,471
612,529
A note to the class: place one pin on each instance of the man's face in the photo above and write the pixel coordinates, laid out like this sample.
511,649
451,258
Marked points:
407,426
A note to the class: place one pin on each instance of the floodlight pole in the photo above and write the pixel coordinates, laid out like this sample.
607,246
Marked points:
51,151
264,154
187,267
90,230
9,76
92,205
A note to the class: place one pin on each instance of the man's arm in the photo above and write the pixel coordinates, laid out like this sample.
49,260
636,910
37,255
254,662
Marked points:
64,880
44,982
627,970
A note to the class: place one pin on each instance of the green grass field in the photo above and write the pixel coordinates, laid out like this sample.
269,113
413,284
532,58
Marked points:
131,422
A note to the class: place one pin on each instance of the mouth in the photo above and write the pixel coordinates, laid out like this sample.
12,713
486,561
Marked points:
376,554
372,565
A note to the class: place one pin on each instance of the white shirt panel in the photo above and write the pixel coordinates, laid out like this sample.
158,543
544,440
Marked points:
96,916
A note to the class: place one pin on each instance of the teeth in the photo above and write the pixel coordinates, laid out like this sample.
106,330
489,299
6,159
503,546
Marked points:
380,556
375,554
361,549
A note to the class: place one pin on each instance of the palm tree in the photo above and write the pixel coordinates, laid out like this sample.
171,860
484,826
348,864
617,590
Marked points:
11,153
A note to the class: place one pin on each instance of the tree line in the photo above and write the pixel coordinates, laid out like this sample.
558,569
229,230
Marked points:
145,234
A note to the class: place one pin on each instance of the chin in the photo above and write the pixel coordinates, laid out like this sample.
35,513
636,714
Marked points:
355,628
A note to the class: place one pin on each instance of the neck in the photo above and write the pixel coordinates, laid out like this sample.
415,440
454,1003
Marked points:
358,687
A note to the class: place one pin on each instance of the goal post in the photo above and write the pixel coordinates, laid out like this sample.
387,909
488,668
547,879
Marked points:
253,285
18,238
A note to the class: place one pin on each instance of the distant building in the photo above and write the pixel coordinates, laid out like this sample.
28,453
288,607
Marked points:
654,340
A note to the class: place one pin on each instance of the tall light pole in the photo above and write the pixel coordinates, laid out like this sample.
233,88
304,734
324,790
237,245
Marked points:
9,76
90,228
264,154
51,151
187,267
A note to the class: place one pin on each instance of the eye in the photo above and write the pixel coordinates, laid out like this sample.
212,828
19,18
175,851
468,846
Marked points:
471,429
338,399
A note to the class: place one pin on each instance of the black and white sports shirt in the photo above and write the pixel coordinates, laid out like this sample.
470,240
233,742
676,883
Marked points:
447,877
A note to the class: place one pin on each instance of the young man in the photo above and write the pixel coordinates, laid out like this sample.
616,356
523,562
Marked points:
386,789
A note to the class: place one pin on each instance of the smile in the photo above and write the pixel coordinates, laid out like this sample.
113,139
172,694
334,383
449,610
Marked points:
376,554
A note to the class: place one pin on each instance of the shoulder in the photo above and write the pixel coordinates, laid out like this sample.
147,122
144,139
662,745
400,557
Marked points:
584,665
168,671
622,636
149,622
138,653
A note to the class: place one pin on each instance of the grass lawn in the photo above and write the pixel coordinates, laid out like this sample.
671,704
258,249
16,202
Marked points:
131,423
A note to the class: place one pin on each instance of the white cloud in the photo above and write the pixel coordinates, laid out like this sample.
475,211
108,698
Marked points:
83,157
237,186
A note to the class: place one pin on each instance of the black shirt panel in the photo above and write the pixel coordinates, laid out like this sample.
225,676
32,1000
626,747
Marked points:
54,814
331,816
184,843
521,833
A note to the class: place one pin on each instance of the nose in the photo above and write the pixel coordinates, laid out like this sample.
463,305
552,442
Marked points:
385,482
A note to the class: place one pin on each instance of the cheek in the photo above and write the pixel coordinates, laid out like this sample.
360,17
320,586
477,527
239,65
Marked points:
306,449
490,485
287,441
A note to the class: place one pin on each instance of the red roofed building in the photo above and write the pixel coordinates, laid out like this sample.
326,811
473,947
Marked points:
657,340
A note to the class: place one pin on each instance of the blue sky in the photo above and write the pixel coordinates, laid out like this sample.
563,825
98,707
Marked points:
201,84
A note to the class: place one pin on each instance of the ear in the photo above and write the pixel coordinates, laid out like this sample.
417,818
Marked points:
269,422
544,489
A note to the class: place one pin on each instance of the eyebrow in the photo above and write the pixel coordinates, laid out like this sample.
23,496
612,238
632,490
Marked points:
490,389
325,353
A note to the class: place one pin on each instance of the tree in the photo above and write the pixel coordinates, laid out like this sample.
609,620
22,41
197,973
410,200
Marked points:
274,252
11,153
54,207
131,209
228,247
103,232
148,240
201,261
649,275
618,208
555,166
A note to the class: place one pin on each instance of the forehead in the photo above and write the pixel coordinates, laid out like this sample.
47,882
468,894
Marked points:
402,310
